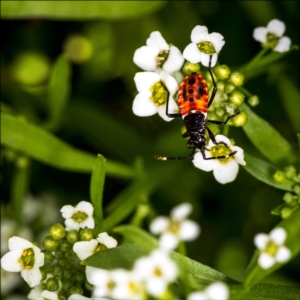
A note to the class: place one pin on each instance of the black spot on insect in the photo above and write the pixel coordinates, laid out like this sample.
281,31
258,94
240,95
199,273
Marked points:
191,99
200,90
190,91
191,81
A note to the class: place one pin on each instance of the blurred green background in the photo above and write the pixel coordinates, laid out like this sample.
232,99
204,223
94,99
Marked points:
98,117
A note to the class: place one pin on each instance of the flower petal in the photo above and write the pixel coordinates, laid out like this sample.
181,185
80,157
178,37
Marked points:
276,27
145,80
50,295
159,225
192,53
283,44
142,105
85,249
168,241
283,254
197,296
175,60
170,82
38,257
223,138
10,261
189,230
32,276
68,211
16,242
156,40
239,156
261,240
217,290
225,173
180,212
278,235
206,57
145,58
161,110
266,261
89,223
96,276
71,225
217,40
260,34
86,207
199,33
107,240
200,163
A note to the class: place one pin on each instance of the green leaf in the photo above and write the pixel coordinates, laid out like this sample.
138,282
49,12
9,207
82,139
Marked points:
97,187
58,91
41,145
291,225
264,172
78,10
267,140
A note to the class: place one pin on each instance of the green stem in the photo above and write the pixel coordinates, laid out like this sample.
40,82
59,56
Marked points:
245,91
254,60
181,248
226,130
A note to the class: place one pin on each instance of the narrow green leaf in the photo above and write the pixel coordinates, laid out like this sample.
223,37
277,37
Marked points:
58,91
267,140
264,172
291,225
97,187
46,148
78,10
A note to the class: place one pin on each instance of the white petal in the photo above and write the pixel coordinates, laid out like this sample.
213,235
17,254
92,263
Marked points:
145,80
197,296
32,276
10,261
49,295
107,240
181,211
85,249
78,297
223,138
159,225
156,286
161,110
217,291
283,44
239,156
168,241
204,165
96,276
199,33
156,40
206,57
175,60
261,240
170,82
192,53
225,173
16,242
283,254
189,230
71,225
86,207
145,58
161,258
38,257
260,34
276,27
68,211
266,261
217,40
278,235
142,105
88,222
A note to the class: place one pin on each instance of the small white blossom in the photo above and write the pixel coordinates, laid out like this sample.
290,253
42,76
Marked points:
24,257
46,295
272,36
176,228
85,249
153,91
78,217
203,46
225,169
271,248
215,291
158,55
156,271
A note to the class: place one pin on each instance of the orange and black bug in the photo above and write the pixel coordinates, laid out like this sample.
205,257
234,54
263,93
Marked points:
193,105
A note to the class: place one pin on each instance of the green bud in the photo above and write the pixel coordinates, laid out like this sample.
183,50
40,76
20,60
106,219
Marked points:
80,277
237,97
229,87
288,197
57,269
222,72
76,290
59,253
290,172
220,112
50,244
86,234
286,212
240,120
57,231
72,236
280,177
296,189
237,78
52,284
43,274
65,246
189,68
220,86
48,257
253,100
62,262
67,274
88,286
22,162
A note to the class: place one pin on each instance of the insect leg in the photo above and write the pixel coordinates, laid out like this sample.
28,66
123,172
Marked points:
223,123
213,94
178,115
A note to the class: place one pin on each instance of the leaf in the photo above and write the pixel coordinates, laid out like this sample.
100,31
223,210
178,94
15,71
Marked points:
41,145
58,91
267,140
291,225
264,172
78,10
96,188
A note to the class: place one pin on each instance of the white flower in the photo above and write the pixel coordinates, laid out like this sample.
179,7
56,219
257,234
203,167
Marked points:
85,249
24,257
215,291
176,228
80,297
225,169
158,54
272,36
203,46
78,217
46,295
157,271
271,248
153,91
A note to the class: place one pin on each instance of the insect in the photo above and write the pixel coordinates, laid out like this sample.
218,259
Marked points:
193,105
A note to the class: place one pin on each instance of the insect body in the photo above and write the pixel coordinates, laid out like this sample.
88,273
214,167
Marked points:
193,105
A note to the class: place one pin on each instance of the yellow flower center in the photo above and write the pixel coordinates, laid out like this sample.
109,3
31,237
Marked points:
221,150
271,248
159,94
157,272
206,47
174,226
272,40
162,57
79,216
27,259
100,247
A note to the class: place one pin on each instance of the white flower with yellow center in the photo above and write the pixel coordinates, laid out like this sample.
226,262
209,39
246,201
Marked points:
85,249
78,217
24,257
176,228
46,295
157,271
224,169
271,248
203,46
215,291
272,36
158,55
154,90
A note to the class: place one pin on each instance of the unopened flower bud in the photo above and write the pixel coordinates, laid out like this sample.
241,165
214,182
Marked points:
237,97
222,72
288,197
52,284
290,172
48,257
221,86
65,246
286,212
86,234
57,231
229,87
280,177
240,119
189,68
76,290
50,244
237,78
253,100
72,236
220,111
